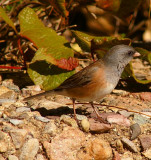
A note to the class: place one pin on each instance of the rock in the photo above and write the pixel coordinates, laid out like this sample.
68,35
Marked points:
116,156
19,104
18,137
29,149
129,145
69,121
9,83
81,117
65,145
42,119
16,121
47,104
125,113
1,157
136,131
40,157
12,157
6,95
23,109
85,125
147,153
146,96
119,146
145,141
141,119
48,149
98,127
118,119
99,149
4,144
50,128
96,149
127,156
120,92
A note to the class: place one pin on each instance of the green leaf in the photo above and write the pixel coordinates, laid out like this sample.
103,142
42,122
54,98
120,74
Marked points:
145,54
34,30
5,17
128,72
101,45
83,40
46,75
43,69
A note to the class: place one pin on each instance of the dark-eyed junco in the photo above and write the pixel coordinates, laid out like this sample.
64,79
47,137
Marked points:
96,80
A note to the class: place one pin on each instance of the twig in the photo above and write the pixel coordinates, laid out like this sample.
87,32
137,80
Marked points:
136,28
21,51
68,27
11,67
114,107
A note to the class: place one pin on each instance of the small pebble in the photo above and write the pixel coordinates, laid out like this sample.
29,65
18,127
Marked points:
129,144
85,125
125,113
50,128
23,109
42,119
140,119
12,157
147,153
16,121
81,117
69,121
29,149
136,131
145,141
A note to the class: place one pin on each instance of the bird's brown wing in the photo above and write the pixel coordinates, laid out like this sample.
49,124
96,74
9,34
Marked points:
82,77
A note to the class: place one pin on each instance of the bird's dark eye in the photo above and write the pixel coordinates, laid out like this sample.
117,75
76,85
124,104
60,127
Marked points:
130,53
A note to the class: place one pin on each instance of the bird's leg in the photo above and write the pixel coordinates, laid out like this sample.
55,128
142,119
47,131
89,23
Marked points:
75,116
97,114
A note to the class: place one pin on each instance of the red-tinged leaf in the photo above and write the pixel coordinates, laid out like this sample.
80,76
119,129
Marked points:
44,73
121,8
5,17
109,5
68,64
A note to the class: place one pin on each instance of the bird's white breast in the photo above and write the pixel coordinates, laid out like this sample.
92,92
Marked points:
104,91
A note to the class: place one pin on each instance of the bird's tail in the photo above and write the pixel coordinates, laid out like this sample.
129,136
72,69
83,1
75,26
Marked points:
46,93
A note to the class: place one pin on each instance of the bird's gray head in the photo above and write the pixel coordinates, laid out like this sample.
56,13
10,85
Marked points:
119,55
115,61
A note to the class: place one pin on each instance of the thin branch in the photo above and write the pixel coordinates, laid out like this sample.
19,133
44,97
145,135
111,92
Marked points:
114,107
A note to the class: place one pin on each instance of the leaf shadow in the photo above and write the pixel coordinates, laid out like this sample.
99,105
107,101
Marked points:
43,68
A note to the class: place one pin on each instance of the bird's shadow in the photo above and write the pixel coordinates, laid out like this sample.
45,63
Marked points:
64,110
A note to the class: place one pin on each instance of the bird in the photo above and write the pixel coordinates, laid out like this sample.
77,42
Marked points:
97,80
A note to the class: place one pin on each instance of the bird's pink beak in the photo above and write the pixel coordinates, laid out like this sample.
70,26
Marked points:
136,54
